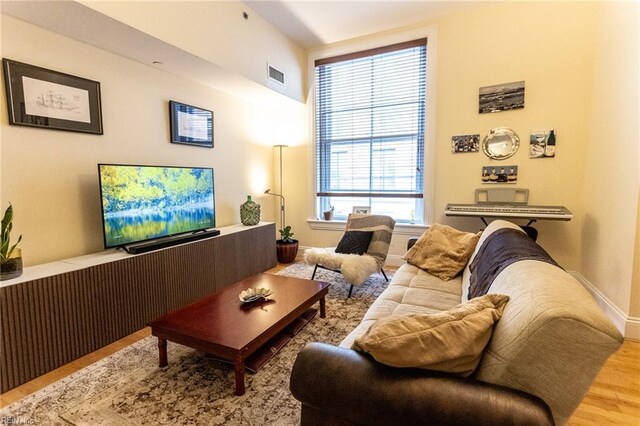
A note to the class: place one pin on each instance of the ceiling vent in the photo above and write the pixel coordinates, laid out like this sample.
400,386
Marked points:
275,75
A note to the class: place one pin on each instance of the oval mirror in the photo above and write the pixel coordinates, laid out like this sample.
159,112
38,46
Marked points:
501,143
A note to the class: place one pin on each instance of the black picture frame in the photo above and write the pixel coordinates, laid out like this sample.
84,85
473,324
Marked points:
190,125
40,97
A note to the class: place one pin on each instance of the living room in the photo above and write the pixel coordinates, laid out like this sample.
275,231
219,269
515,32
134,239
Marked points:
579,62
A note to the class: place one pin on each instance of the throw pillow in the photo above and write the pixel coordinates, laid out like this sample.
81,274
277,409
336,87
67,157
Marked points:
442,251
354,242
451,341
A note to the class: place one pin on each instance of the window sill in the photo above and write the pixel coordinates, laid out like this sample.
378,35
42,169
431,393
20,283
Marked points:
338,225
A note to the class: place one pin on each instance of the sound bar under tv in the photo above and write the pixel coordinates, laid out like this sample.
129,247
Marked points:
169,241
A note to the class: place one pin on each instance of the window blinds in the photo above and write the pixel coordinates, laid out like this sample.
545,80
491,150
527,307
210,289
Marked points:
370,122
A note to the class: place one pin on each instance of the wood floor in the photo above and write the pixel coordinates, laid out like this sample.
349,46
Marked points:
614,397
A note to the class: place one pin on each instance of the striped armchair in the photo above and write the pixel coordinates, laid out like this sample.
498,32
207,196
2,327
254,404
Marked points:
357,268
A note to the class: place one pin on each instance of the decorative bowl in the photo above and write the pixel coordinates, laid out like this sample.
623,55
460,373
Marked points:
253,294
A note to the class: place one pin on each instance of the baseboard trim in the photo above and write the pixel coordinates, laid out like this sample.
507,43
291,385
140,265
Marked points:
633,328
628,326
394,260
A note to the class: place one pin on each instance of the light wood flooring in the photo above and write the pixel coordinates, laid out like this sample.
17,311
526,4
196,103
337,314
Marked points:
614,397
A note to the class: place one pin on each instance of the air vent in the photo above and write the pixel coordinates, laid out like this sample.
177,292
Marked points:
276,75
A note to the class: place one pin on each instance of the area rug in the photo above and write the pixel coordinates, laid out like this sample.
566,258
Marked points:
129,388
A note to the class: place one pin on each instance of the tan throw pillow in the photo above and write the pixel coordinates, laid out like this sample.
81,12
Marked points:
450,341
442,251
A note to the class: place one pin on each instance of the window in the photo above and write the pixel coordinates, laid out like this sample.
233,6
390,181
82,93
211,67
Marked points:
370,131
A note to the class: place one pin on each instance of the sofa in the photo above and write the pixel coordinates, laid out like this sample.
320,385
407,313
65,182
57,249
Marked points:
545,351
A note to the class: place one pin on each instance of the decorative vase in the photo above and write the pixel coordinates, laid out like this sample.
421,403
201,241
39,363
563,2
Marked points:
249,212
286,252
12,268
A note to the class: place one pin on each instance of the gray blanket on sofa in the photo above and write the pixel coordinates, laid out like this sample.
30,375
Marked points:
502,248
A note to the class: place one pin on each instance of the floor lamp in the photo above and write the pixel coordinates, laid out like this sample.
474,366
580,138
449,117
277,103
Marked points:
268,191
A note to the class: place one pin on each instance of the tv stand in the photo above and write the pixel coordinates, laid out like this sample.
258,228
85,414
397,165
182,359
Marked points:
57,312
174,240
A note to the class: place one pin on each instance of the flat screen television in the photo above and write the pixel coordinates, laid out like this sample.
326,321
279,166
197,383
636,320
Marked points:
141,203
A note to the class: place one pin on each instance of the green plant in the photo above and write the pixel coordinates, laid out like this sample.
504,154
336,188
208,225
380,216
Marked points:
286,234
5,238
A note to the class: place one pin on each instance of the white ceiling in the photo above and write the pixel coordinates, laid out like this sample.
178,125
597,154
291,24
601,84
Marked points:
309,23
312,23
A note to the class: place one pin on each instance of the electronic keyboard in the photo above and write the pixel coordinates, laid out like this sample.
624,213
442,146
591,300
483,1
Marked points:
523,211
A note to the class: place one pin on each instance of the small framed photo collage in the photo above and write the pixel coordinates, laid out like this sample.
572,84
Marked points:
499,98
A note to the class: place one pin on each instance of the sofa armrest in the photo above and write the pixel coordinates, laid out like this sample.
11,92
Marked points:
342,385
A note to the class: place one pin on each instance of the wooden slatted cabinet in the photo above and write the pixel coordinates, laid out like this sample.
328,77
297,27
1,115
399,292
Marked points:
58,312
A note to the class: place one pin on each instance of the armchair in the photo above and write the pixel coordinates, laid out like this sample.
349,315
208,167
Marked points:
356,268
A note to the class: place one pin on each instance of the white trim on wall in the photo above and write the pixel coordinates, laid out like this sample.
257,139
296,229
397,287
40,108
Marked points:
339,225
628,326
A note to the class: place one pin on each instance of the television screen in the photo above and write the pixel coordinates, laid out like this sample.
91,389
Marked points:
146,202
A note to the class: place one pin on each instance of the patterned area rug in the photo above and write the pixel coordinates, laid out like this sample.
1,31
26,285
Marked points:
128,387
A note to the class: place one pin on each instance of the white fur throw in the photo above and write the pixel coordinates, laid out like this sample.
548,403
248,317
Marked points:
355,268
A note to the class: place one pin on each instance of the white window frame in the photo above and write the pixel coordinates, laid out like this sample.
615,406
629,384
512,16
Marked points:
431,34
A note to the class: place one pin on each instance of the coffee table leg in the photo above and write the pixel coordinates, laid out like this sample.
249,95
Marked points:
162,352
323,313
238,367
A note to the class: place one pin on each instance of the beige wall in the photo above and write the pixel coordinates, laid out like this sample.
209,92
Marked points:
217,32
612,176
579,61
580,65
634,308
546,44
50,176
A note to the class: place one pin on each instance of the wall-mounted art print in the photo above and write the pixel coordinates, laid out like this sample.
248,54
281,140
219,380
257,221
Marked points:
542,144
361,209
191,125
465,143
39,97
502,97
502,174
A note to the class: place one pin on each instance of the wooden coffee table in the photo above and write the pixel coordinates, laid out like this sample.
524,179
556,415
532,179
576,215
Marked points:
224,327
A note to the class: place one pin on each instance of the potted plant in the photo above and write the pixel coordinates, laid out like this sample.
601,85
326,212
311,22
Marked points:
10,256
286,247
328,215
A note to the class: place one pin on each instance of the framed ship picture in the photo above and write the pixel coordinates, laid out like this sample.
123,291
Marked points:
39,97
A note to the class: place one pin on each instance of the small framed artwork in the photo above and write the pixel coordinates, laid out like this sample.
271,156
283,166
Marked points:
502,174
39,97
502,97
361,209
190,125
465,143
542,144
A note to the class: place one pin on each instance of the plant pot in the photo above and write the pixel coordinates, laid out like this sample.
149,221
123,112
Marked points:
12,268
328,215
286,252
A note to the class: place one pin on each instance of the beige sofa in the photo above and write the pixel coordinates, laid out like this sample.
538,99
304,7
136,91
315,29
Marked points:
550,343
